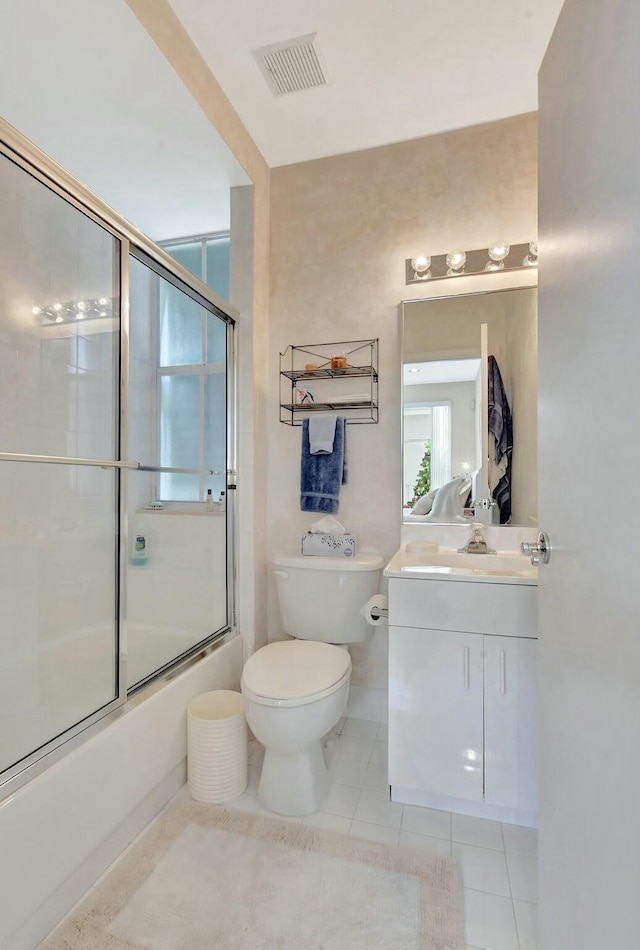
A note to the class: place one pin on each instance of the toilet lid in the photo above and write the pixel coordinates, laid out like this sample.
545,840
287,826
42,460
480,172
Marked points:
293,669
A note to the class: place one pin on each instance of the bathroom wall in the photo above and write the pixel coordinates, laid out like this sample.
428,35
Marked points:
341,229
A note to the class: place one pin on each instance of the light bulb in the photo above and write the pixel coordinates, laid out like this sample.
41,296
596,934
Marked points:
494,265
79,315
531,260
456,260
499,250
81,306
59,319
103,301
36,311
420,266
57,306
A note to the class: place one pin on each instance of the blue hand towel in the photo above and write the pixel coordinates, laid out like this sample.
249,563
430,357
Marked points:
322,475
322,432
501,426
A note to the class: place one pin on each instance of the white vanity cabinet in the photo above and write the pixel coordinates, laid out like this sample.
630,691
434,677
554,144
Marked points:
462,700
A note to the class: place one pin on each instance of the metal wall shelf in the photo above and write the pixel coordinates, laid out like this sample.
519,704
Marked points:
307,381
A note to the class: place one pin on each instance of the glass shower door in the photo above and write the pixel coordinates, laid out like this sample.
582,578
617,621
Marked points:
59,385
177,596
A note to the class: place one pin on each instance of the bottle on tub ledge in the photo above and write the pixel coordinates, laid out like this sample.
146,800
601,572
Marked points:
210,506
139,555
222,504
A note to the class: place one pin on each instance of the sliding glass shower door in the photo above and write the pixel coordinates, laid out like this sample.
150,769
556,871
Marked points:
177,593
59,383
116,448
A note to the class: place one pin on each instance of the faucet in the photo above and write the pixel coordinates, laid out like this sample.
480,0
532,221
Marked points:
476,543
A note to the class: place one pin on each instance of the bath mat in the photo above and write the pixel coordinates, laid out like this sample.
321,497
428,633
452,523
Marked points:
207,876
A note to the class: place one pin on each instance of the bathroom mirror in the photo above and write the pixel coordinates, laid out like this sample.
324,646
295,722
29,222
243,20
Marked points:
455,443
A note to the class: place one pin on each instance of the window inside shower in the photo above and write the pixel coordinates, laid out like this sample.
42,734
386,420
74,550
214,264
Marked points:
190,377
106,406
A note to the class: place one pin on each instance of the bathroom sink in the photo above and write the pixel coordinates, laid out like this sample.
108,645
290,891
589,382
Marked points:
450,564
500,563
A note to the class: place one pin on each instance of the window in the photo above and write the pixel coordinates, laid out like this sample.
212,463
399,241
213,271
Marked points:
191,372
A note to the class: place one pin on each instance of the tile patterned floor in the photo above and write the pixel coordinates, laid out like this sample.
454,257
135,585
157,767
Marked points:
498,861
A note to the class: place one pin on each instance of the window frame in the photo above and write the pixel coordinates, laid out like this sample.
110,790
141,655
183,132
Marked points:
202,370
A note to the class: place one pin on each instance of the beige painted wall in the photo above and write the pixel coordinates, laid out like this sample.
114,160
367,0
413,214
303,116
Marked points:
166,30
341,229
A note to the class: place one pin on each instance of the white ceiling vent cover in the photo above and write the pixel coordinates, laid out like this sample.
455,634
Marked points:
292,65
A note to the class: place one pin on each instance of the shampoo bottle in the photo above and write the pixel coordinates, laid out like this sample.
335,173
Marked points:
139,552
209,500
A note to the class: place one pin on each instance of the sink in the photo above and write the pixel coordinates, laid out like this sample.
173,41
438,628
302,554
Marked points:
504,567
502,563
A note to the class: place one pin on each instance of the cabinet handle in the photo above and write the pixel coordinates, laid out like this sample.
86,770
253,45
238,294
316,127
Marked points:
467,673
503,671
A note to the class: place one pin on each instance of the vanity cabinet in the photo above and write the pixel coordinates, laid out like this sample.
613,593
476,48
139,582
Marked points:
462,699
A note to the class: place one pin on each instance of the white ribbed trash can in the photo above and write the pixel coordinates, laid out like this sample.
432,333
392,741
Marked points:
217,764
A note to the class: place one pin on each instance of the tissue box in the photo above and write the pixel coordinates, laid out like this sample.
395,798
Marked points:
328,545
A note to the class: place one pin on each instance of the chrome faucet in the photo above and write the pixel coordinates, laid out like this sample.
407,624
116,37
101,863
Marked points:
476,543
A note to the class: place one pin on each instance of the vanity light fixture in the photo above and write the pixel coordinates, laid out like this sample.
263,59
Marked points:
499,256
71,310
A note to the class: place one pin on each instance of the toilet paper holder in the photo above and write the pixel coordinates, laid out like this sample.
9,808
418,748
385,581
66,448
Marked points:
376,610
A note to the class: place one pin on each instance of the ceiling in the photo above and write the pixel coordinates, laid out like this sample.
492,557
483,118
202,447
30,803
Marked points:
440,371
398,70
85,82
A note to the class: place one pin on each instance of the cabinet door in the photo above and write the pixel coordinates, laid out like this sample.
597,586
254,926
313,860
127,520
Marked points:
510,722
435,711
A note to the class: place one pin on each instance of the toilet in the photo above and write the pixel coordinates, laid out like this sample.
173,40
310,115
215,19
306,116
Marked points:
295,691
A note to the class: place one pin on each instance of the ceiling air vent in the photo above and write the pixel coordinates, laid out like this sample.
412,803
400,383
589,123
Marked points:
292,65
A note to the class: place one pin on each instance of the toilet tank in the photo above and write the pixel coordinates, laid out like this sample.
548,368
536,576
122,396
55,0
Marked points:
320,597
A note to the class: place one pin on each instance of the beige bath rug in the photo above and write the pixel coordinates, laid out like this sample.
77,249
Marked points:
204,876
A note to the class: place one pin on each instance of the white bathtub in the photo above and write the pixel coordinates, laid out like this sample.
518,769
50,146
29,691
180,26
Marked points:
45,691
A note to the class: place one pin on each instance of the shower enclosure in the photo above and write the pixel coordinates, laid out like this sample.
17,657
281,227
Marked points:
116,419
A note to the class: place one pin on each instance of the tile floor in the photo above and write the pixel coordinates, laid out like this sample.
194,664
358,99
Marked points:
498,861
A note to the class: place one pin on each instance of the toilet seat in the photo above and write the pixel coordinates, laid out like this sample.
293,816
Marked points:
295,672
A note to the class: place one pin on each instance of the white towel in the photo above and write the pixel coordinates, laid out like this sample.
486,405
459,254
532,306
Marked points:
322,432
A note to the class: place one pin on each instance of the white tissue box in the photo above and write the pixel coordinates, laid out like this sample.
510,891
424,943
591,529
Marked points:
329,545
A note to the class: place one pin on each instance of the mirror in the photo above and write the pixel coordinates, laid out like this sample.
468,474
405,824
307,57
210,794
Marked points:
469,408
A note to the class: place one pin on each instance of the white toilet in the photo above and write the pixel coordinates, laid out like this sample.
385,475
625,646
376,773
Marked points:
295,691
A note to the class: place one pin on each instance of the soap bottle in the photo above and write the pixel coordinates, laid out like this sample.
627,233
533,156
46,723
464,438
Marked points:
139,552
223,501
209,500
